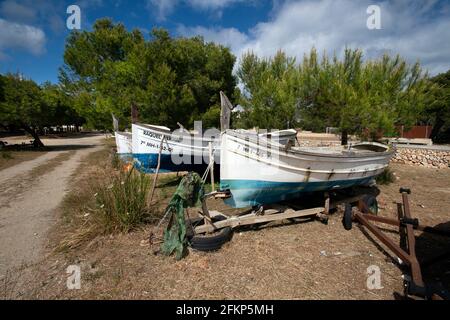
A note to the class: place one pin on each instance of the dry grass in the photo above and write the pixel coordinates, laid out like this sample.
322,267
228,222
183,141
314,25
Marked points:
303,260
107,198
11,158
50,165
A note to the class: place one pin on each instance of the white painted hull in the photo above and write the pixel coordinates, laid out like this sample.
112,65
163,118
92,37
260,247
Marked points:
123,142
258,174
179,152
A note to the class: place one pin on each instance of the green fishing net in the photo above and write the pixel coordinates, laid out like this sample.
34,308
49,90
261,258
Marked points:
189,193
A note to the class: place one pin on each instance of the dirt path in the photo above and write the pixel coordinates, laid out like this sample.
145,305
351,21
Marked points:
29,194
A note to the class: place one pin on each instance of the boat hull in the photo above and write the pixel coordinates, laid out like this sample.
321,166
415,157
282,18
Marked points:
259,174
178,153
124,145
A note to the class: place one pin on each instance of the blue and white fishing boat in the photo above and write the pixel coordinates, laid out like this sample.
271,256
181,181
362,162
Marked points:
180,151
183,151
123,145
258,171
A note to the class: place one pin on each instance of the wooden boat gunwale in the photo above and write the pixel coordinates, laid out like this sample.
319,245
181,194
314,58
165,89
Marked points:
292,152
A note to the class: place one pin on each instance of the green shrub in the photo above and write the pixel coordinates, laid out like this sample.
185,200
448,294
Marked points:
386,177
122,200
7,155
115,160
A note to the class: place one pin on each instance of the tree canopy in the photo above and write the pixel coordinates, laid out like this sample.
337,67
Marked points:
437,110
363,97
170,80
2,88
26,105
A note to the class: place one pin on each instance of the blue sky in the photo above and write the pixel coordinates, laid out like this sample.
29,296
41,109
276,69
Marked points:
32,32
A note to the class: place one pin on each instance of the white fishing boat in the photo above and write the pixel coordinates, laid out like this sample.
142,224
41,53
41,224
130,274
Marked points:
123,145
180,151
123,141
258,171
184,151
281,136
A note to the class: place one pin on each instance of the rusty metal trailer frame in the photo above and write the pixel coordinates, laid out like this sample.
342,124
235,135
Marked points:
407,225
406,250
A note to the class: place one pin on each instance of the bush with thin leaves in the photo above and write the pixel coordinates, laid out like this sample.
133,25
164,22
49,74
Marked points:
7,155
386,177
122,202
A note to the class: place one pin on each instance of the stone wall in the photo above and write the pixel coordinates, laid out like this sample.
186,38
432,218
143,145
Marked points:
422,157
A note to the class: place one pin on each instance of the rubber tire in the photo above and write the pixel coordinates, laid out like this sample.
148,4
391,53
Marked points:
371,203
347,219
208,242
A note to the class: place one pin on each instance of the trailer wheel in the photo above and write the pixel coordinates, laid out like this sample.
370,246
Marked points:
209,241
348,217
370,205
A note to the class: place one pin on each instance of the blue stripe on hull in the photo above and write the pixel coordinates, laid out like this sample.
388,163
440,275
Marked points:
147,162
125,157
247,193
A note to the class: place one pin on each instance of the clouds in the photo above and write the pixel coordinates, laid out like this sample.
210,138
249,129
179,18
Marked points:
212,4
24,25
416,30
229,37
166,7
21,36
17,12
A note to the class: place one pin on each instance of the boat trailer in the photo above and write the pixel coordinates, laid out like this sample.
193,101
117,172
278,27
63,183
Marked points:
360,206
406,251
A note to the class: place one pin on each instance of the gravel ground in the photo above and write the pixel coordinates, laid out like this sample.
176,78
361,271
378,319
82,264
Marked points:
30,193
302,260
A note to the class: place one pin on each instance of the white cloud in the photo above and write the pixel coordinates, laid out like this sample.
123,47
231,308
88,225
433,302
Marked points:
17,12
212,4
229,37
415,30
166,7
39,13
21,36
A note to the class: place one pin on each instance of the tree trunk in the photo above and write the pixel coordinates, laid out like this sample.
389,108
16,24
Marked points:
436,128
134,113
344,137
37,141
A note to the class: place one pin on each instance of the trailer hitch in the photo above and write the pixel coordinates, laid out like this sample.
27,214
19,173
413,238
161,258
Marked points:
413,289
429,291
409,221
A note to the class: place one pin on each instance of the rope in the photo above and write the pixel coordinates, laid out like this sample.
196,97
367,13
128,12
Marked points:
208,168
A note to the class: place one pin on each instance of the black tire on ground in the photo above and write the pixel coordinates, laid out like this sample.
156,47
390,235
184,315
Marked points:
370,204
348,217
210,241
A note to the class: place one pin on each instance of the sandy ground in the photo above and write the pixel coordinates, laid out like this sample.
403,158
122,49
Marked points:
29,195
302,260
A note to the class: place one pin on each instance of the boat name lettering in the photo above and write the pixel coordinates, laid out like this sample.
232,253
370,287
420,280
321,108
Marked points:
156,146
257,152
152,134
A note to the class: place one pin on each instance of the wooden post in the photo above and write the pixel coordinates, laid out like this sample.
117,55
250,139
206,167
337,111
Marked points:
211,163
157,167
